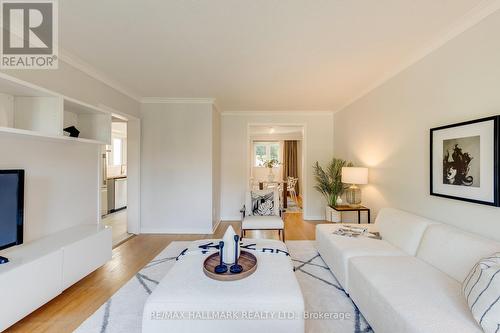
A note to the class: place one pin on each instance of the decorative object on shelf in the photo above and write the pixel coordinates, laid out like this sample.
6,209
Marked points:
270,164
236,268
231,252
246,260
73,131
464,161
354,176
221,268
329,184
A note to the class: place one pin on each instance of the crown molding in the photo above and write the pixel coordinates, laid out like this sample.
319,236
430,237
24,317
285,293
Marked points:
91,71
469,20
277,113
173,100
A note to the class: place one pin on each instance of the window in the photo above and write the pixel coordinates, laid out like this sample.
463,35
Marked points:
117,152
264,151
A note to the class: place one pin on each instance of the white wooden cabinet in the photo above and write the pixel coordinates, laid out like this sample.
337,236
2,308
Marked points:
120,193
40,270
28,285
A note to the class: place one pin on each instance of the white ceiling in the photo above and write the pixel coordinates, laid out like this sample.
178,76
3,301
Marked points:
257,54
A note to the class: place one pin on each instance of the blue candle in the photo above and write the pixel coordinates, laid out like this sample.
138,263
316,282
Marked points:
221,268
235,269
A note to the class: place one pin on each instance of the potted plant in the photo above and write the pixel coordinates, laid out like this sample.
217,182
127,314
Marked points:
329,183
270,164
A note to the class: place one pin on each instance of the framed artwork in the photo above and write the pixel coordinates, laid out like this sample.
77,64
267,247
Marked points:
464,161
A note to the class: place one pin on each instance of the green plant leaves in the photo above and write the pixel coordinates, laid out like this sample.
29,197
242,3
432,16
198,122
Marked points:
329,182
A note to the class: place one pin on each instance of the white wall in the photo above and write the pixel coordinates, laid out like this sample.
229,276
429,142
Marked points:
176,171
61,181
318,146
216,156
388,130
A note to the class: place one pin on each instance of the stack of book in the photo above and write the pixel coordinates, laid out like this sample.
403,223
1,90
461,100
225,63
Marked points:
349,231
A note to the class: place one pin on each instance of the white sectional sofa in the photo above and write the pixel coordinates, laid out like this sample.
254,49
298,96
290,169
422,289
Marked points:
410,281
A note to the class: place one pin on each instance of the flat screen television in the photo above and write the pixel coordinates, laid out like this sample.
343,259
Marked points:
11,207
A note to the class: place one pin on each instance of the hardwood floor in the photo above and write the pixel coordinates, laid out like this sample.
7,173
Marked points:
67,311
117,221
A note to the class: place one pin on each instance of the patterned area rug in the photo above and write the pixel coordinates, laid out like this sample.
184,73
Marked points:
322,294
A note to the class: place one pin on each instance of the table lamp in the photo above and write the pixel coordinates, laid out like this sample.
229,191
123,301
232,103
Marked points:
354,176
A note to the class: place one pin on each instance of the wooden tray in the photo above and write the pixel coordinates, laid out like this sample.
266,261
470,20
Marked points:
247,260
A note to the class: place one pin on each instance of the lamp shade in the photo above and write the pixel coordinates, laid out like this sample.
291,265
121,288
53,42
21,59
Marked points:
352,175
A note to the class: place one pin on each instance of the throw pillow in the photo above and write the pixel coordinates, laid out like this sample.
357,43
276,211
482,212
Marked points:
263,204
481,289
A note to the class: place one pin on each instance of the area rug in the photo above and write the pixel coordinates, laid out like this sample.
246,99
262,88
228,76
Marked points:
122,313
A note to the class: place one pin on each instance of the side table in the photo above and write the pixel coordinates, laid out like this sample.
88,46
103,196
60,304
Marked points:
359,209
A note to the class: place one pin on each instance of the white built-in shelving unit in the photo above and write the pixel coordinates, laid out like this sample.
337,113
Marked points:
26,109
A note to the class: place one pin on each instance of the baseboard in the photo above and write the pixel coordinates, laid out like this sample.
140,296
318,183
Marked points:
176,231
231,218
314,218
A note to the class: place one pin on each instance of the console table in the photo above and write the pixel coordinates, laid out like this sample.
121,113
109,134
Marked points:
359,209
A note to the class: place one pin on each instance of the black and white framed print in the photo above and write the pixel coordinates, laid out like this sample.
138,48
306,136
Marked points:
464,161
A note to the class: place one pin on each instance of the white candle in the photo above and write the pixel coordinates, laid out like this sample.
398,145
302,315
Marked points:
229,246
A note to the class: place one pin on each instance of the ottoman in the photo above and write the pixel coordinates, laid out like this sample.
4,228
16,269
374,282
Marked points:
186,300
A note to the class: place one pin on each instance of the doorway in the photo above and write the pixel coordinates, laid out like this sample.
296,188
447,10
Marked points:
283,144
114,191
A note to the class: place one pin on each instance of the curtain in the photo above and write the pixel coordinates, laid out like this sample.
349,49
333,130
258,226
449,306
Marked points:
290,161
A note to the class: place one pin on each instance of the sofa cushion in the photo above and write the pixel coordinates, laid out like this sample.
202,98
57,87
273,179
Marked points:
401,229
481,290
262,203
336,250
405,294
454,251
262,222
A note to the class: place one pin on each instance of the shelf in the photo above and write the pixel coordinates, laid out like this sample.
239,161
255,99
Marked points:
16,131
94,124
26,109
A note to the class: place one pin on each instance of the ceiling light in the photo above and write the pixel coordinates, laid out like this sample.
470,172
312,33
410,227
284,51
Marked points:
271,131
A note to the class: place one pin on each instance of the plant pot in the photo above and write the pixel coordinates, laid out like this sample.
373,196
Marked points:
336,216
328,213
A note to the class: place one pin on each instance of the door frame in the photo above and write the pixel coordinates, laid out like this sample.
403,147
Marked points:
249,151
133,169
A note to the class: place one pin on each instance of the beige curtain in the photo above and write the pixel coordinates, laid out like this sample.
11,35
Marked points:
290,161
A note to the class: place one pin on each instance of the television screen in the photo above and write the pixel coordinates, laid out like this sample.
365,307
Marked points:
11,207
